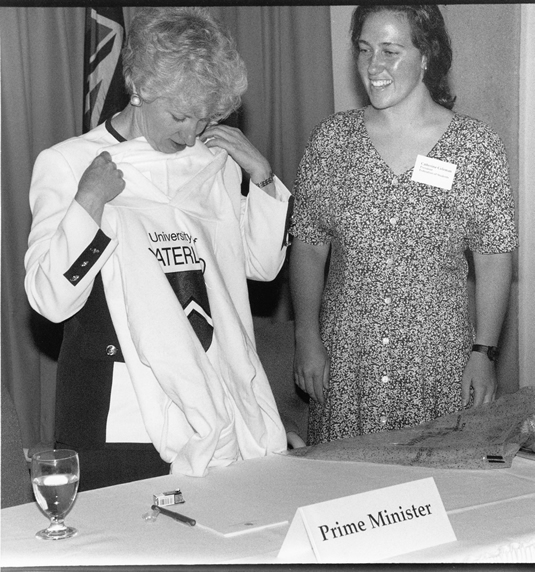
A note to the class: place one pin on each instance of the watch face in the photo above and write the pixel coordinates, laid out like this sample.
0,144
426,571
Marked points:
493,353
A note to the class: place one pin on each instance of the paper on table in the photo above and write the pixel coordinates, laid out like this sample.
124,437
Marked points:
246,527
240,504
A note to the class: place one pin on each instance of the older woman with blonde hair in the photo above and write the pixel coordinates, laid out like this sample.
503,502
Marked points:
141,242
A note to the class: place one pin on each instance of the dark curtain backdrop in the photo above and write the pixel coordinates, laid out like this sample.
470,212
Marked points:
287,50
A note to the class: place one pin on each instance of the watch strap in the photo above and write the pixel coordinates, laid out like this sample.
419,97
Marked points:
491,351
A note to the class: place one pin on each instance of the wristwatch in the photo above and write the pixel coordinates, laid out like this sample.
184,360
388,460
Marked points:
491,351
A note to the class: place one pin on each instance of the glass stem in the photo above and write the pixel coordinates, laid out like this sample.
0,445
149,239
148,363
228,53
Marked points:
56,523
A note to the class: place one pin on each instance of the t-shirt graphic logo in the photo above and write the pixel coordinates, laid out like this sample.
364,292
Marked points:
190,289
184,269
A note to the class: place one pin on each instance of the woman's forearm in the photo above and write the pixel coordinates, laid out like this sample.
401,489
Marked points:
493,282
307,277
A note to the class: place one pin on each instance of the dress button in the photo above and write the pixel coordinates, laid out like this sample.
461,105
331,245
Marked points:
388,299
386,341
389,261
383,419
84,263
393,221
385,379
395,181
111,350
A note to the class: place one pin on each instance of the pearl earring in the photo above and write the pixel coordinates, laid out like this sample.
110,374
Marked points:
135,100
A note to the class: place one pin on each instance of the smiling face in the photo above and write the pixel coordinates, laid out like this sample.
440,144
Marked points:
390,66
168,125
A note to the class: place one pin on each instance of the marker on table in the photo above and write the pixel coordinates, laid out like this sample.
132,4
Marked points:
174,515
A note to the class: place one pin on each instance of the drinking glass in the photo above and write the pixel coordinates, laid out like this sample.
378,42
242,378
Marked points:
55,477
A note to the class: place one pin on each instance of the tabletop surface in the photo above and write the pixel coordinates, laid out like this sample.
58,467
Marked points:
244,511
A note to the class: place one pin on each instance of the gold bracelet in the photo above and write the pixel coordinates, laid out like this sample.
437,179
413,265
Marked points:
265,182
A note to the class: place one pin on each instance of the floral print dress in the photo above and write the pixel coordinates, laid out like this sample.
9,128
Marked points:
395,315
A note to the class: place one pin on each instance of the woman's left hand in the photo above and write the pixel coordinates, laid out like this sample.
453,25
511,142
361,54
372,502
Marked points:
239,148
479,374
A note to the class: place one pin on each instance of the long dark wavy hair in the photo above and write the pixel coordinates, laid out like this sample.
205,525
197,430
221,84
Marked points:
429,36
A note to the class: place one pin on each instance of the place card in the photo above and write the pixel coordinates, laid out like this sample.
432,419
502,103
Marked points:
369,527
433,172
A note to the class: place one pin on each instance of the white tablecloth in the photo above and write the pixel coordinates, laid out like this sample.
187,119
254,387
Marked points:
244,511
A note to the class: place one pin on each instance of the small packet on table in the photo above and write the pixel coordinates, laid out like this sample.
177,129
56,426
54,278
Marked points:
168,498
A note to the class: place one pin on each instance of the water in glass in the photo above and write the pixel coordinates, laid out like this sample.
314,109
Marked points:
55,477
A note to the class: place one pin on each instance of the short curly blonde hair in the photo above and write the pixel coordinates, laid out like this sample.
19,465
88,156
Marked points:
184,54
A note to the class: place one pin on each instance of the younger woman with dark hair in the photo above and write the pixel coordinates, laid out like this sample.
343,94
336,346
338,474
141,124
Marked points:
429,36
395,193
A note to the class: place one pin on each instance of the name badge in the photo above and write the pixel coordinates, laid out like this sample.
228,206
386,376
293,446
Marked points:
433,172
369,527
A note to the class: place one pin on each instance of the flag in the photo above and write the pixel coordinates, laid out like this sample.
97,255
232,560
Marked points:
104,90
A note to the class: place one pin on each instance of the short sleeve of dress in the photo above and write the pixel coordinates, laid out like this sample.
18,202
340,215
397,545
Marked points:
494,229
310,192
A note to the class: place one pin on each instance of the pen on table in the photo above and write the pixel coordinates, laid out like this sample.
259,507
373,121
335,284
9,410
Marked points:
175,515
